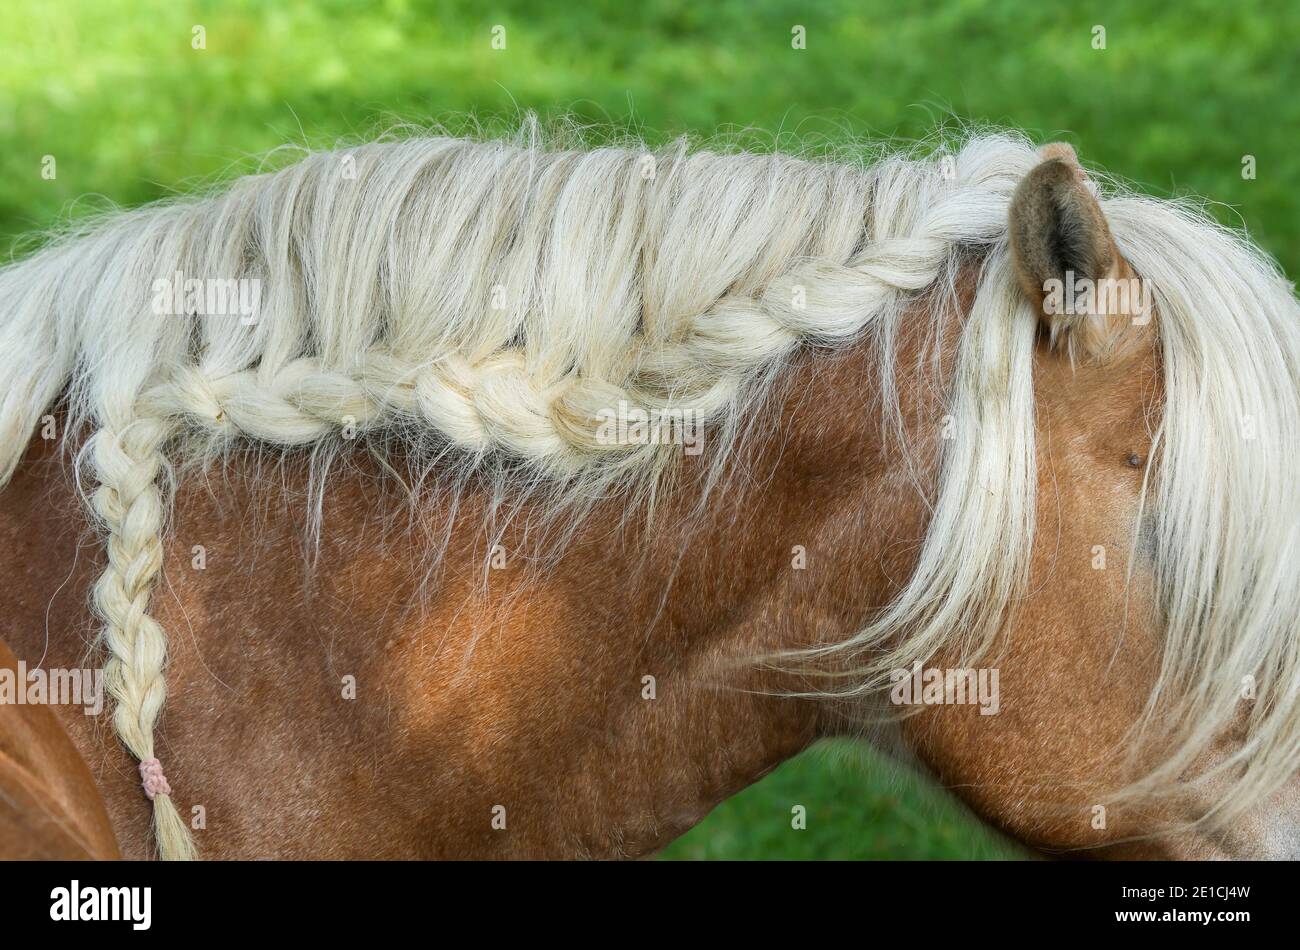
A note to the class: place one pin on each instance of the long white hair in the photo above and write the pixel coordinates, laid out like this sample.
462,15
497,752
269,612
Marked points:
496,299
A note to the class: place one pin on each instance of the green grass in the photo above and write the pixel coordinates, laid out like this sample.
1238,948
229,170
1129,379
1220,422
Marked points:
113,90
857,806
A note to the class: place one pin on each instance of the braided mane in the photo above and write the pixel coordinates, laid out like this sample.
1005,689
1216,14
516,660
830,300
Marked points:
504,295
504,299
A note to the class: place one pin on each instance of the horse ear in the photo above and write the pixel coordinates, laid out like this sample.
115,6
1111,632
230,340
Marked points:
1066,261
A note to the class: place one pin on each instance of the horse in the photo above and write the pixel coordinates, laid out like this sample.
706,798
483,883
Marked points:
475,498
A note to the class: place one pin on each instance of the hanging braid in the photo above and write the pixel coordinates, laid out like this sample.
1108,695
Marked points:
128,460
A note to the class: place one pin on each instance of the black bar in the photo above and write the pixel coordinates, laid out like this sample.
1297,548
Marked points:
657,899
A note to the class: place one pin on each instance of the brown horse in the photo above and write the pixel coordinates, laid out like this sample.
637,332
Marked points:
399,681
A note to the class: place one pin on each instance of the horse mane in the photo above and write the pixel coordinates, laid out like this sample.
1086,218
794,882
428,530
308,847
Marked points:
488,304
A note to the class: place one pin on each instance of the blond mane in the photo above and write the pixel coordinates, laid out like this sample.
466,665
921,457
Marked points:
500,299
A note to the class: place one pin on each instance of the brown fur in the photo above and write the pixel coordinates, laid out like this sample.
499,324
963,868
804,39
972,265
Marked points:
50,807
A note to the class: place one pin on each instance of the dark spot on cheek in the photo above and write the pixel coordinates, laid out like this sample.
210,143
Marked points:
1134,459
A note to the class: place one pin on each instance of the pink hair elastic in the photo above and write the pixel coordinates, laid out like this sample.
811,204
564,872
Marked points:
155,783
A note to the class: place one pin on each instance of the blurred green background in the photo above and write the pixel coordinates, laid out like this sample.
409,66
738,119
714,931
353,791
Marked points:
115,91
